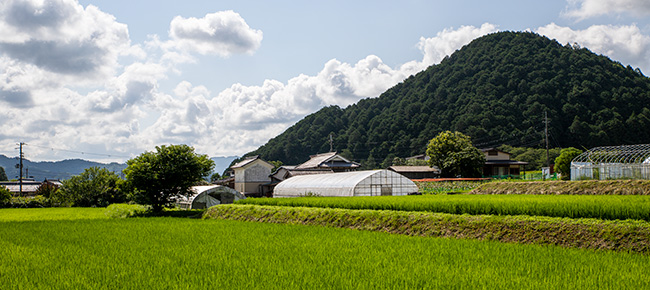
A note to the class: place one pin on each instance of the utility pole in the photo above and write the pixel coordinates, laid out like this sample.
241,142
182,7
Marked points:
546,170
20,167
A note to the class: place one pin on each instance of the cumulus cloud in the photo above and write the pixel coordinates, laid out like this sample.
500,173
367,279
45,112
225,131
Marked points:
16,98
62,37
244,117
624,43
583,9
127,113
222,33
449,40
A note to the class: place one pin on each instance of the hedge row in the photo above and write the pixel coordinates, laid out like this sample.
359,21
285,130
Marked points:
627,236
27,202
585,187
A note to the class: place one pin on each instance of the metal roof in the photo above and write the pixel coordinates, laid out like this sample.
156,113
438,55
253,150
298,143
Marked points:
320,160
414,169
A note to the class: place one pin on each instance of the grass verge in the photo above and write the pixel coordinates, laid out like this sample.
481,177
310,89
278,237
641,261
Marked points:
626,236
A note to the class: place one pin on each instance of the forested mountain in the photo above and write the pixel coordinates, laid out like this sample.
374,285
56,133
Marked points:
496,90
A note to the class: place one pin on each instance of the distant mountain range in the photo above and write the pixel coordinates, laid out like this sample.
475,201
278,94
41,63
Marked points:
67,168
53,170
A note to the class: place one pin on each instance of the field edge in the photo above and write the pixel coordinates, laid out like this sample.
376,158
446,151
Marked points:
623,236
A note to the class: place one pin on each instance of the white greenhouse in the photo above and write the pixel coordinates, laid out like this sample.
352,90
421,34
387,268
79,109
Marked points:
209,195
613,162
356,183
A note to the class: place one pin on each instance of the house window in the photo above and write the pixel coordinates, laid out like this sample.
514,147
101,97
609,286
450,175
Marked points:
493,153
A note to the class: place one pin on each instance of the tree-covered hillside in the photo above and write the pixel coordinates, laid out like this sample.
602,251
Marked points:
496,90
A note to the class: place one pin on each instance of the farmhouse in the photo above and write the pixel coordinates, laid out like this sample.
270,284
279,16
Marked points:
328,161
416,172
29,186
499,165
357,183
207,196
250,174
287,171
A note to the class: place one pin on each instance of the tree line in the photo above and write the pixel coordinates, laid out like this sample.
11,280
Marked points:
154,178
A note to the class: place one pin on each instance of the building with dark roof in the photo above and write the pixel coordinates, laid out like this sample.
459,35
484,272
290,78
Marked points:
499,165
416,172
329,160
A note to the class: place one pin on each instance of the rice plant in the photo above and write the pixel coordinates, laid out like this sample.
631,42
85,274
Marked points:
173,253
610,207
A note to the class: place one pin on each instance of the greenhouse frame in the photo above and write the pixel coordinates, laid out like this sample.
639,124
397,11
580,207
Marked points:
355,183
207,196
613,162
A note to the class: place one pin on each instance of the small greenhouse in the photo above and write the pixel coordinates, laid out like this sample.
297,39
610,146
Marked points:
209,195
613,162
357,183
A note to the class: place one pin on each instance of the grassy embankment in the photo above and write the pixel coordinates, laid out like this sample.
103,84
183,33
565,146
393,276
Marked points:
617,222
174,253
627,236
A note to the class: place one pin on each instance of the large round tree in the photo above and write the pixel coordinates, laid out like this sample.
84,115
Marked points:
454,154
563,162
94,187
158,178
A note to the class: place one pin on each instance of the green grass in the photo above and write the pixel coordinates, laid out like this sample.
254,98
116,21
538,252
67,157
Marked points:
173,253
572,206
54,213
624,236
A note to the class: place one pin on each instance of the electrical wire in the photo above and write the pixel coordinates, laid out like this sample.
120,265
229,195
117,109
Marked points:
80,152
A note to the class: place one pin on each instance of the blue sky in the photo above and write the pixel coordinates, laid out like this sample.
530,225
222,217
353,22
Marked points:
114,78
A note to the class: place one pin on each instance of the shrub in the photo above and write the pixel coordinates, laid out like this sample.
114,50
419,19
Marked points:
94,187
5,196
29,202
122,210
47,190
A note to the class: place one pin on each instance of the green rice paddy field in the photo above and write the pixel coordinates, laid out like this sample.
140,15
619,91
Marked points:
609,207
82,249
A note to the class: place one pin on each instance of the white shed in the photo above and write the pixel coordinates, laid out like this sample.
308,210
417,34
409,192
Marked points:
358,183
209,195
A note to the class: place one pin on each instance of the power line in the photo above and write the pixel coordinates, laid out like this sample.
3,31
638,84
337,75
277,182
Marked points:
80,152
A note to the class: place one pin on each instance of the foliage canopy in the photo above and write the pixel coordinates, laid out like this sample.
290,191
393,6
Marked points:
563,162
94,187
454,155
5,195
157,178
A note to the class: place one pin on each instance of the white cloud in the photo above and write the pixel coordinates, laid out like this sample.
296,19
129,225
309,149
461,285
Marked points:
449,40
127,113
625,43
241,118
222,33
62,37
583,9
